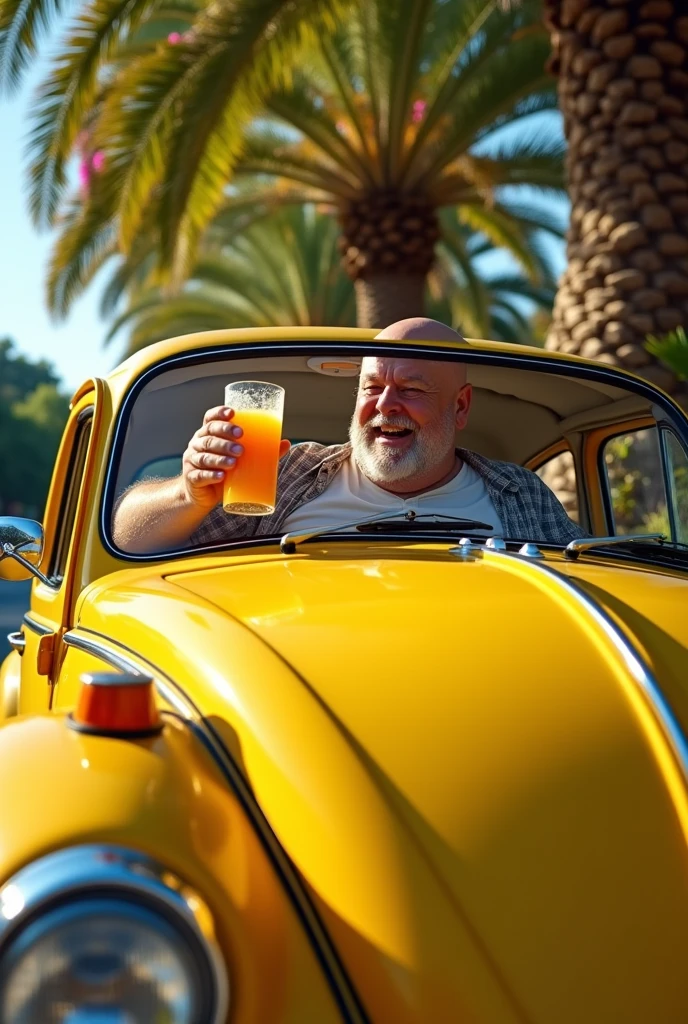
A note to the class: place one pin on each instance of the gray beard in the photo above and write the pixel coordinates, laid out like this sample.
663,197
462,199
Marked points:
383,465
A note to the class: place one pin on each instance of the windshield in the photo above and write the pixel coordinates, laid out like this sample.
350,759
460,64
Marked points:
235,449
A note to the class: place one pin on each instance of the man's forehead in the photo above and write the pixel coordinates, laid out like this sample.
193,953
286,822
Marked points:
430,371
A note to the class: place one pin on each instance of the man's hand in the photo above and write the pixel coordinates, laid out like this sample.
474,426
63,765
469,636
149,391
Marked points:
212,453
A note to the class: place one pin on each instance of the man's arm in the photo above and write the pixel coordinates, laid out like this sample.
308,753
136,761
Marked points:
160,515
155,516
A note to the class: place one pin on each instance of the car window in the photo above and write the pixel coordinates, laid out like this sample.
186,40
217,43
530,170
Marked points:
70,496
559,473
677,466
633,467
515,411
159,469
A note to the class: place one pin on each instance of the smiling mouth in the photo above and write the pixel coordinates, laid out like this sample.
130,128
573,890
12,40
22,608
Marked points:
391,435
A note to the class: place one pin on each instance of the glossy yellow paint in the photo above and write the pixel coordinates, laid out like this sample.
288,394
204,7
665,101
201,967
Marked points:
165,797
444,816
457,761
10,681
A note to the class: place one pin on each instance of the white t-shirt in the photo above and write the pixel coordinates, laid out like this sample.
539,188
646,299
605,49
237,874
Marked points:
351,496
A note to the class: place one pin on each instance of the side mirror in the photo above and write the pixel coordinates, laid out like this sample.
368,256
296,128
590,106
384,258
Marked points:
21,549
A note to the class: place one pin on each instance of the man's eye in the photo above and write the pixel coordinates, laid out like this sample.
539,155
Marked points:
372,389
410,391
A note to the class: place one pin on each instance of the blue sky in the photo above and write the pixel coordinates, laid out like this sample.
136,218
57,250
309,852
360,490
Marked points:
75,346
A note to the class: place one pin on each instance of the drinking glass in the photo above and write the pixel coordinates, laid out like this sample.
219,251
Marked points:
250,488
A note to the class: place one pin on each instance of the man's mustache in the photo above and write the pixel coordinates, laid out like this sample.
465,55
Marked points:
403,422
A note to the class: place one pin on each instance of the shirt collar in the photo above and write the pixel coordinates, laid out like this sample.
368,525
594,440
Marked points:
495,474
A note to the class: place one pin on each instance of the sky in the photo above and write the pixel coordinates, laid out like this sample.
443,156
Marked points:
75,345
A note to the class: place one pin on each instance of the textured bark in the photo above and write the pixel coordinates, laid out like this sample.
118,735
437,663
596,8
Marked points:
382,299
388,246
624,98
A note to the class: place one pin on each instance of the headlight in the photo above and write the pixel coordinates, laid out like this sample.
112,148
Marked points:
103,935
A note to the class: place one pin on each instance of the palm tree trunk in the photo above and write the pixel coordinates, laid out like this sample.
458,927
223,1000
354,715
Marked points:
623,88
382,299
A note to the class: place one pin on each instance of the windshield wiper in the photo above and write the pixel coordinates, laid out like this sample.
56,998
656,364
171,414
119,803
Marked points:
289,541
574,548
411,523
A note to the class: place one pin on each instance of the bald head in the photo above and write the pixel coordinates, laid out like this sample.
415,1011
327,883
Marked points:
422,328
419,328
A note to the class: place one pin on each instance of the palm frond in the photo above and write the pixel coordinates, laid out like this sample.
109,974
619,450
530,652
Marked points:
336,52
131,272
470,44
296,105
265,153
21,23
407,20
84,245
512,83
281,270
243,51
672,349
68,93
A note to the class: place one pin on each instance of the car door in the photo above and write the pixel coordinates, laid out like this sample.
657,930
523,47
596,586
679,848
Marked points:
51,608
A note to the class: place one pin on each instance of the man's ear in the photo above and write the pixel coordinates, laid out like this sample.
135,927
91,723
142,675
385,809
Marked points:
463,405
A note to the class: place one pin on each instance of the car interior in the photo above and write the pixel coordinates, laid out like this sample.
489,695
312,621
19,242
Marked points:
517,414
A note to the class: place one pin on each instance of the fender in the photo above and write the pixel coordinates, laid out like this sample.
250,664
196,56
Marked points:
163,796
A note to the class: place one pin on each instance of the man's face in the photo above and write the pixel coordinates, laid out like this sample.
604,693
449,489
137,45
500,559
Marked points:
406,417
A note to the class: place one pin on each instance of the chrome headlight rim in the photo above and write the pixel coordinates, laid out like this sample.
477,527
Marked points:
67,877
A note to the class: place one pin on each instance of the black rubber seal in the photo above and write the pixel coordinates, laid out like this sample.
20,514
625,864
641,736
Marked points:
118,734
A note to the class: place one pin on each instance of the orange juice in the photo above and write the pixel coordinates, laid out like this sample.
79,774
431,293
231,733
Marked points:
250,488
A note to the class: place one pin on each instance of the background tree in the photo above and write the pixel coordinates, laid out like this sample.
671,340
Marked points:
485,296
33,412
399,113
623,88
283,268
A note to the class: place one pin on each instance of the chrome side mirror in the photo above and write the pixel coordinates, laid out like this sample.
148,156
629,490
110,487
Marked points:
21,549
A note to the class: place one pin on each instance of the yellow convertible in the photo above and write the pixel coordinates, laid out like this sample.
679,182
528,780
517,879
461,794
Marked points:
406,772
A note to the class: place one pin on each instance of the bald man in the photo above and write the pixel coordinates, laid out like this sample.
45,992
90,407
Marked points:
401,455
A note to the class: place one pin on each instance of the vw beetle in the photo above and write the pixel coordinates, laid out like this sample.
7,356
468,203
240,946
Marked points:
390,774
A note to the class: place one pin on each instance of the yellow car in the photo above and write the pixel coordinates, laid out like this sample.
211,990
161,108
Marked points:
404,773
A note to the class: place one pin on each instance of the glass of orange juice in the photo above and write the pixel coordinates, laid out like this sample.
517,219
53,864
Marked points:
250,488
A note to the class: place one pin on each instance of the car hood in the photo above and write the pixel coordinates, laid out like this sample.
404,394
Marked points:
510,726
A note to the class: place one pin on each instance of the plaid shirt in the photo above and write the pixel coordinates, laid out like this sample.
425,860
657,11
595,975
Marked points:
525,505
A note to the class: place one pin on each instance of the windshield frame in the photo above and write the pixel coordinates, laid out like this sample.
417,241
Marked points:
341,348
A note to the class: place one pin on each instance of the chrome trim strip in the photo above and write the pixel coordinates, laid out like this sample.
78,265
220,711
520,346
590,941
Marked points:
17,641
629,653
123,663
75,872
117,655
36,627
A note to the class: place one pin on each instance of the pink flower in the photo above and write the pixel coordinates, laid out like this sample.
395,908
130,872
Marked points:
84,174
341,127
174,38
418,110
98,160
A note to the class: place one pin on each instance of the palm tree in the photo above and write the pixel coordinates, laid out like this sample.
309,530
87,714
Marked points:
399,112
623,86
473,287
285,269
